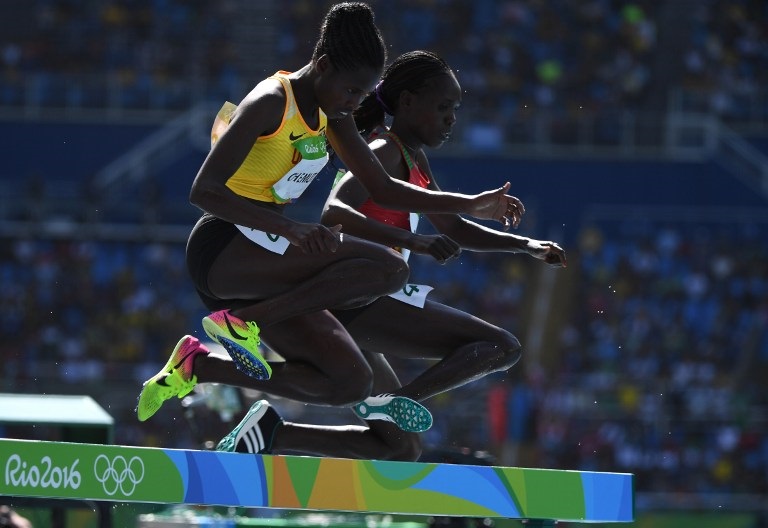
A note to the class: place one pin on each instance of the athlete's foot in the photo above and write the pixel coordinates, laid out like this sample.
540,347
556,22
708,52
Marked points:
174,379
241,341
255,432
409,415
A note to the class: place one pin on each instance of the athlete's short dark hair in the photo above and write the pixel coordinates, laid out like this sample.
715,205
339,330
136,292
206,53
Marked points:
410,71
350,38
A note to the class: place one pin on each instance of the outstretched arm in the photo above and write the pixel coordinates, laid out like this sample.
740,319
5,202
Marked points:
475,237
396,194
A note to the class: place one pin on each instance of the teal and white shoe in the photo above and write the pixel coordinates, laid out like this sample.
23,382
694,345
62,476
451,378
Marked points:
409,415
255,432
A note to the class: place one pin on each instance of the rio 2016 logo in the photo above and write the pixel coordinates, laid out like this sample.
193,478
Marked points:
19,472
118,474
114,474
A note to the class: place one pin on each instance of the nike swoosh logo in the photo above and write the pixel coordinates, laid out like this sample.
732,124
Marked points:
232,330
182,360
295,137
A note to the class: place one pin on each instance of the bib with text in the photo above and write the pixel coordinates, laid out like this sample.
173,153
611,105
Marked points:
313,158
413,294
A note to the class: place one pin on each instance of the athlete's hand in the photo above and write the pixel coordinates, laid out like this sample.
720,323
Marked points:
547,251
315,238
497,205
441,247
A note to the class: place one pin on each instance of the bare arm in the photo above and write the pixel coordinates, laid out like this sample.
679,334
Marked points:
389,192
258,114
342,208
457,233
475,237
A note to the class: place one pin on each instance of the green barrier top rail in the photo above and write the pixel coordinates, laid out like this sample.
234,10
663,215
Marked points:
171,476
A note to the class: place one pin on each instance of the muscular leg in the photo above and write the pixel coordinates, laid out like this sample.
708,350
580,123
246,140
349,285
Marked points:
297,283
288,296
378,441
467,347
322,366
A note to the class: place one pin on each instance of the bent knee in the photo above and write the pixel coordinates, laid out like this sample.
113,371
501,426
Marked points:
396,272
506,351
388,269
512,351
351,386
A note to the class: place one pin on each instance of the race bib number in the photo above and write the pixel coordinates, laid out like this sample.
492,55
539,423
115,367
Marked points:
313,158
273,243
413,294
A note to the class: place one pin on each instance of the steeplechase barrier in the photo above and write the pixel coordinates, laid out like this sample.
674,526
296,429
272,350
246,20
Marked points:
92,472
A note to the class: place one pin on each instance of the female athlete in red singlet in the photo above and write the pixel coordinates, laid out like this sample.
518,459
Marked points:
422,94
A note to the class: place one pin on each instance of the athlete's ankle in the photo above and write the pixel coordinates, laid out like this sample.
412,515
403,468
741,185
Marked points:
277,438
199,364
238,313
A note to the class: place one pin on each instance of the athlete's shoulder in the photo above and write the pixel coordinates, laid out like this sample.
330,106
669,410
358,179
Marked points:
264,104
266,93
386,150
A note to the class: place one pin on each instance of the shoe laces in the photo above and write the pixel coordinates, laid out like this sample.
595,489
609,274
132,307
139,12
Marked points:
252,334
176,384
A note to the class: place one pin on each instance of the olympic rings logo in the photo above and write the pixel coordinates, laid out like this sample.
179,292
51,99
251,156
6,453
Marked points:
118,474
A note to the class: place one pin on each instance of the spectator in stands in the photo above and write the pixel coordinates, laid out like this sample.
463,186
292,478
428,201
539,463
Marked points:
555,55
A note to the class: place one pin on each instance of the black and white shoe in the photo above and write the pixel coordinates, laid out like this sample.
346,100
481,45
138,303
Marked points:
255,431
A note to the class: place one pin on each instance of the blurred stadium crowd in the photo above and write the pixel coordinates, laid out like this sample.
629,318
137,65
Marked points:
658,364
563,56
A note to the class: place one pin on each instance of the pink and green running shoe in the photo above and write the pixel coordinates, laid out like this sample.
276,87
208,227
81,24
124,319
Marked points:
241,341
174,379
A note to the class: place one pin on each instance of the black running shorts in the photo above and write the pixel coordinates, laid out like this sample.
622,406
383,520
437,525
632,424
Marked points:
206,241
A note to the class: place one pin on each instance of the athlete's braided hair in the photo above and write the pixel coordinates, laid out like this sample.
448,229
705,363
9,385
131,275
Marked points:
350,38
410,71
